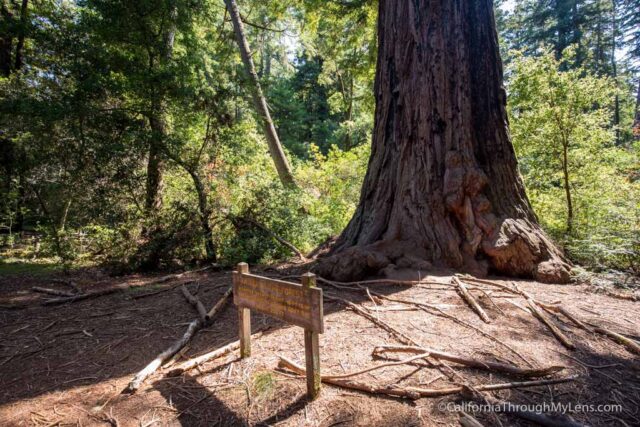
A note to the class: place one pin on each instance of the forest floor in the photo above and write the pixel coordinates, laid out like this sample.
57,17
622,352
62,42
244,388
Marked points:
68,364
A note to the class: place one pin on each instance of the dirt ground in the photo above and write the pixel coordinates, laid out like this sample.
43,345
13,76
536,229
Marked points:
68,364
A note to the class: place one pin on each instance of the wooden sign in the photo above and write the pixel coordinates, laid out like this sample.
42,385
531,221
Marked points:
300,305
286,301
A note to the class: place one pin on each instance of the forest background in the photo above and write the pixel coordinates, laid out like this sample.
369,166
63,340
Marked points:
128,136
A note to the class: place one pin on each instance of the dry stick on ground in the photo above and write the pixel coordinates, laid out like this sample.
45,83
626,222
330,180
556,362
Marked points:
69,283
137,381
397,334
549,323
559,309
443,367
193,327
464,293
197,361
168,288
196,303
221,302
52,292
435,311
631,345
619,338
533,306
119,287
416,392
474,363
350,285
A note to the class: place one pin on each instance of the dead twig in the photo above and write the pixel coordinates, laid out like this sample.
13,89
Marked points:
466,295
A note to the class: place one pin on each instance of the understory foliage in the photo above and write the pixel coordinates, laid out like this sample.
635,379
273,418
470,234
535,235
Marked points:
582,185
98,89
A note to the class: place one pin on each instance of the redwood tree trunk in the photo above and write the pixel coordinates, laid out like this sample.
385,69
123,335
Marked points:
442,188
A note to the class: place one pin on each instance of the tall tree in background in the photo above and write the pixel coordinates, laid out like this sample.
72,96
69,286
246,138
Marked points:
442,188
259,101
630,24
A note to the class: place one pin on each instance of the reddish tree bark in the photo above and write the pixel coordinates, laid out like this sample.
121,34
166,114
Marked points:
442,187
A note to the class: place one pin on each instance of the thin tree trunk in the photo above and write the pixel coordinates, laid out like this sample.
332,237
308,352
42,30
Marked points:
6,41
442,188
567,185
205,214
260,103
21,33
614,70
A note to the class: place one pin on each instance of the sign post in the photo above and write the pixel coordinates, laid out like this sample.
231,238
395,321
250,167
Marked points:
297,304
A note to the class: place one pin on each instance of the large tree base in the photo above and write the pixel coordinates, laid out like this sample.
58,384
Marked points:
517,248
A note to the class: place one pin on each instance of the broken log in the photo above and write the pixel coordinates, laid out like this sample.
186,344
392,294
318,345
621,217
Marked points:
416,392
466,295
473,363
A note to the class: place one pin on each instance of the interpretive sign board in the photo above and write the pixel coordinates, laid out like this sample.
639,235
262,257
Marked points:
299,305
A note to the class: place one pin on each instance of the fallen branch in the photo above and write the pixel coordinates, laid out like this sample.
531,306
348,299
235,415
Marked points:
549,323
207,357
119,287
404,339
161,358
466,295
435,311
52,292
137,381
416,392
88,295
196,303
558,309
219,305
159,291
473,363
70,284
631,345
